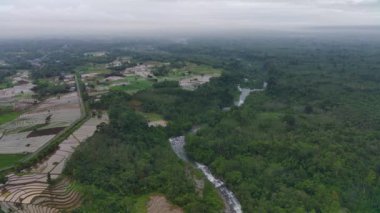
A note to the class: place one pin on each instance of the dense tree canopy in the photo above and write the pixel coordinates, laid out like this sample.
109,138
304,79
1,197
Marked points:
309,143
126,159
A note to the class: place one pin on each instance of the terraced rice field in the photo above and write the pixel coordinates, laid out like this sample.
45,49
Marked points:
32,193
27,208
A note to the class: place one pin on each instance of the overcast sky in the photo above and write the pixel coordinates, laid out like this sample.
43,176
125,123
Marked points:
106,17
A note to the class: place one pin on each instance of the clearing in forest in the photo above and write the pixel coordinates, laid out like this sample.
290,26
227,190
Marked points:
159,204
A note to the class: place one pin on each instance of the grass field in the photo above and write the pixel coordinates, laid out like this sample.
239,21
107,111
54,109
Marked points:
90,68
200,69
6,117
134,85
9,159
5,85
140,205
151,116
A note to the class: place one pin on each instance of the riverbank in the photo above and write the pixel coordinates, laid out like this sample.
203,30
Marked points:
232,205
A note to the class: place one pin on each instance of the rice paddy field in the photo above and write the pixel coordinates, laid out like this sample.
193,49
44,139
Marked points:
56,162
33,129
32,190
24,132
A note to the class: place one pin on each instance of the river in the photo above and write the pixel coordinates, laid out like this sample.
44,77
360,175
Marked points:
177,143
244,92
231,202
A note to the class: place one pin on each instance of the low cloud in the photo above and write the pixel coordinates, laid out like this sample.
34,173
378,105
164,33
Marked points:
20,18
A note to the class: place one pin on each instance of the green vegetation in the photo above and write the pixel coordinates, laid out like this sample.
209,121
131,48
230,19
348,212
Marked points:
133,85
126,160
8,116
92,68
201,69
7,160
151,116
5,85
140,204
309,143
45,88
5,81
165,84
53,145
50,147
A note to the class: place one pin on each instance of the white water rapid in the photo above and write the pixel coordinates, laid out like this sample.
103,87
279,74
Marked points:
234,206
244,92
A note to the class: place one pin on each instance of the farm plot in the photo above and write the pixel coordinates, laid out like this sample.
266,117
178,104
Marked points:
133,84
8,116
34,194
32,191
55,163
33,129
20,143
19,207
18,96
8,160
24,121
93,68
16,90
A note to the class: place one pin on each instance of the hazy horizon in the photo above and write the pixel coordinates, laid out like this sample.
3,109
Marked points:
116,18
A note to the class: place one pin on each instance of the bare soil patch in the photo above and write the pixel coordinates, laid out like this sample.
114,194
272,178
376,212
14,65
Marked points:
159,204
42,132
158,123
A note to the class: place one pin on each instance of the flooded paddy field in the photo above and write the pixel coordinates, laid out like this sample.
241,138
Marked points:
33,129
32,190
